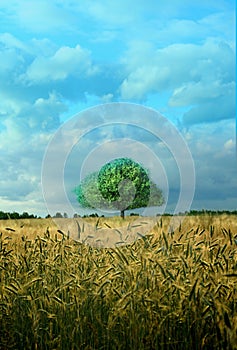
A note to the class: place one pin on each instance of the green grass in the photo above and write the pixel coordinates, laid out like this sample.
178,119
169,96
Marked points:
169,290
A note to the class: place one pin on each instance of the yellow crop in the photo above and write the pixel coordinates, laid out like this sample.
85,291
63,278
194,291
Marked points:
167,290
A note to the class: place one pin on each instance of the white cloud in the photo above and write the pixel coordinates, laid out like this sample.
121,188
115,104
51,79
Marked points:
23,143
193,73
107,98
229,145
211,137
10,41
200,91
36,67
66,61
175,65
186,30
213,151
27,131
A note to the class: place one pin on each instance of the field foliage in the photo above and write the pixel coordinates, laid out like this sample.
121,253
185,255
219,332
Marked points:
168,290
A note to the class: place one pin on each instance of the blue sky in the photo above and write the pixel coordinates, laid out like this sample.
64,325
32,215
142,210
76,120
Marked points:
61,57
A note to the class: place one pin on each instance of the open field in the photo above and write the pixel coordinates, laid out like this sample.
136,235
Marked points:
168,290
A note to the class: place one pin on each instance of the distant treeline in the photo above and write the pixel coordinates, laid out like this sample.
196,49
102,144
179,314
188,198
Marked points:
14,215
186,213
202,212
210,212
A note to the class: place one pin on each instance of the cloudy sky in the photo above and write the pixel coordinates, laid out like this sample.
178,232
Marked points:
58,58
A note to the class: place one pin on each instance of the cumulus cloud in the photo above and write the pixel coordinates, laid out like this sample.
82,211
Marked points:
177,64
215,163
193,73
42,115
33,69
24,137
66,61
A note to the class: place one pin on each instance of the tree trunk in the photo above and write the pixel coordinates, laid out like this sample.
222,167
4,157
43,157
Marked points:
122,214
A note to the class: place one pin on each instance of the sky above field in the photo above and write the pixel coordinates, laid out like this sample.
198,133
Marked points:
58,58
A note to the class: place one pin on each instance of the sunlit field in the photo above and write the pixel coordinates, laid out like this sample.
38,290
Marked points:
172,289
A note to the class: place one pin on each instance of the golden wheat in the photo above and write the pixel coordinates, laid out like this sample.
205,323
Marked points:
167,290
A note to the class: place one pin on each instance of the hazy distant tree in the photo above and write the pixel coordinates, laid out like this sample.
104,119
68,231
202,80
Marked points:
58,215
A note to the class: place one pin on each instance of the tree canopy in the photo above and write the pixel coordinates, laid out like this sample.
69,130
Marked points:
121,184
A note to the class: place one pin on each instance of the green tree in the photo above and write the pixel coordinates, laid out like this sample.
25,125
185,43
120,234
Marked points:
58,215
88,193
121,184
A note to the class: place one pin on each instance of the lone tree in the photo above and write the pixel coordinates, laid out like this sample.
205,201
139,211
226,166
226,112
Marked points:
121,184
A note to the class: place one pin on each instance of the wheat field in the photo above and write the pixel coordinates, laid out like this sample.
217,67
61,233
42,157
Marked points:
172,289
